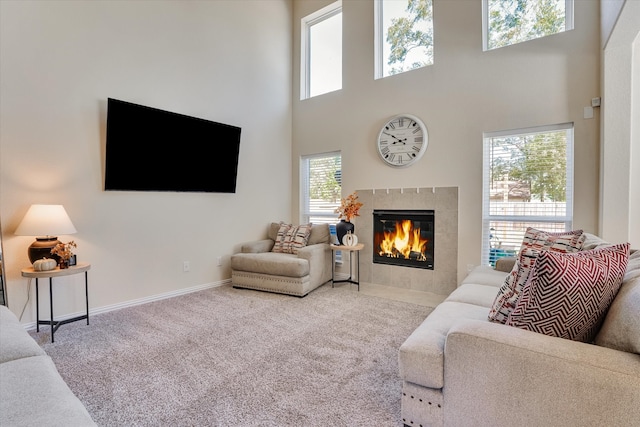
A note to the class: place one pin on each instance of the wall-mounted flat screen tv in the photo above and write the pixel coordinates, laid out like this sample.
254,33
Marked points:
148,149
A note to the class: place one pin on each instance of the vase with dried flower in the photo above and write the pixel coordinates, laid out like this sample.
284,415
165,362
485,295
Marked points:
349,208
64,251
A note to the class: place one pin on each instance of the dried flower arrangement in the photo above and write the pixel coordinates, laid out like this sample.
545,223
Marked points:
349,207
64,250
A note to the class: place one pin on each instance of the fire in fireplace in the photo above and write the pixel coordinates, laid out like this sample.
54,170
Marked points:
404,237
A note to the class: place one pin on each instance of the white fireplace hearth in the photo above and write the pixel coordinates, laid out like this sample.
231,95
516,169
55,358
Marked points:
444,201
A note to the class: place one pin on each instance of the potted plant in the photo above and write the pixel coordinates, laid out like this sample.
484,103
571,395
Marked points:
348,209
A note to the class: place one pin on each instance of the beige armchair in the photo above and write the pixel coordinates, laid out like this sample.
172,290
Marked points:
257,267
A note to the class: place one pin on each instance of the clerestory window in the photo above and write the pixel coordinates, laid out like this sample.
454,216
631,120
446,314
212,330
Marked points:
507,22
403,36
321,51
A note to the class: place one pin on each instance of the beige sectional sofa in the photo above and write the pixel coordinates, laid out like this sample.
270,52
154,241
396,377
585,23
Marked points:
32,392
460,369
257,267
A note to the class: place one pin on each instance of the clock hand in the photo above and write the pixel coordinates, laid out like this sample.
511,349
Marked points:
393,136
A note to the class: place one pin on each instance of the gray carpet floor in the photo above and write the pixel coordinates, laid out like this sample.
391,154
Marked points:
233,357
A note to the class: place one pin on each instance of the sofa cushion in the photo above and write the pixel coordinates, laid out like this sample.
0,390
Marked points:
421,356
482,295
15,342
320,233
621,327
568,294
594,242
34,394
533,242
273,263
485,275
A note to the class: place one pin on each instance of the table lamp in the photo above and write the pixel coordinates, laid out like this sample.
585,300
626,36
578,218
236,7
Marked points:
46,222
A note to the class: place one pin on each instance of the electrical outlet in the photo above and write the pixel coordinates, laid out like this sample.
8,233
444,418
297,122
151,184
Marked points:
219,261
185,266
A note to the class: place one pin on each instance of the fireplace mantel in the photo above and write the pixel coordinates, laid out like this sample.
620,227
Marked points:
444,201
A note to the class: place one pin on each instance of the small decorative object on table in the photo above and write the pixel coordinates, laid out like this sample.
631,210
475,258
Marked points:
349,208
350,239
64,252
44,264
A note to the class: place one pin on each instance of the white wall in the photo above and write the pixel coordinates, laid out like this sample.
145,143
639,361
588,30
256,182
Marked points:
465,93
227,61
620,176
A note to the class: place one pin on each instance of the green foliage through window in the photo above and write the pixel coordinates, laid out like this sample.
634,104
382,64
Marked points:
536,165
515,21
321,187
407,28
528,182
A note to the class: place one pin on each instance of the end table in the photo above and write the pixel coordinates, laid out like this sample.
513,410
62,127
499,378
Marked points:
357,248
50,274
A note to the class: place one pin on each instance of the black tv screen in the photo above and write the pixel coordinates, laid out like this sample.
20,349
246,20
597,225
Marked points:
148,149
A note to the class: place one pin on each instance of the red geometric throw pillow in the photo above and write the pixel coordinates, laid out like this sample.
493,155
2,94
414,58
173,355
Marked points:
534,241
567,295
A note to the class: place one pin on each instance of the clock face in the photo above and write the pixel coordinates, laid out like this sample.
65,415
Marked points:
402,140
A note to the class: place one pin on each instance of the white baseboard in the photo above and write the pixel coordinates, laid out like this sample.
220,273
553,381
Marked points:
139,301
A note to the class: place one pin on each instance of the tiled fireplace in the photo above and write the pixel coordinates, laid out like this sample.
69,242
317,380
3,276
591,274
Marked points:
441,277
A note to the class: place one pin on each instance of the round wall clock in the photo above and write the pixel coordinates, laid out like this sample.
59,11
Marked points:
402,140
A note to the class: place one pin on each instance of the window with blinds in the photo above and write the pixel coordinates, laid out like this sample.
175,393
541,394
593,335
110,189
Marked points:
528,182
321,187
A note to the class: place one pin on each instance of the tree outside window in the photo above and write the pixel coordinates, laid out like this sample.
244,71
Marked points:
528,182
509,22
404,35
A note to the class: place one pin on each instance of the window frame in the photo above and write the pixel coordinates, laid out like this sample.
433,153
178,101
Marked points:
487,218
306,23
568,24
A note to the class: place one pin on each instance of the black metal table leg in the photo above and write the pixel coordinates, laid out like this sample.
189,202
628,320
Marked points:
51,322
358,268
86,292
37,308
333,268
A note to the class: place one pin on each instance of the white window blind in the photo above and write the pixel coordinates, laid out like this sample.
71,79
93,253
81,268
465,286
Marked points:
321,186
528,182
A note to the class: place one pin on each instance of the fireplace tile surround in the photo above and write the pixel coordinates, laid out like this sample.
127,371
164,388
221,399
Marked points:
442,279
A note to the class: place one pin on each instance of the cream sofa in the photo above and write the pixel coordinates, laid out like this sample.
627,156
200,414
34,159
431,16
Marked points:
257,267
460,369
32,392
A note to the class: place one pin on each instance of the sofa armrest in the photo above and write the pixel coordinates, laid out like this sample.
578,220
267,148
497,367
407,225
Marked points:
501,375
319,257
257,246
505,264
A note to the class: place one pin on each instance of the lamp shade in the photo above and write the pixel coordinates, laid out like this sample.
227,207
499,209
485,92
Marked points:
45,220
